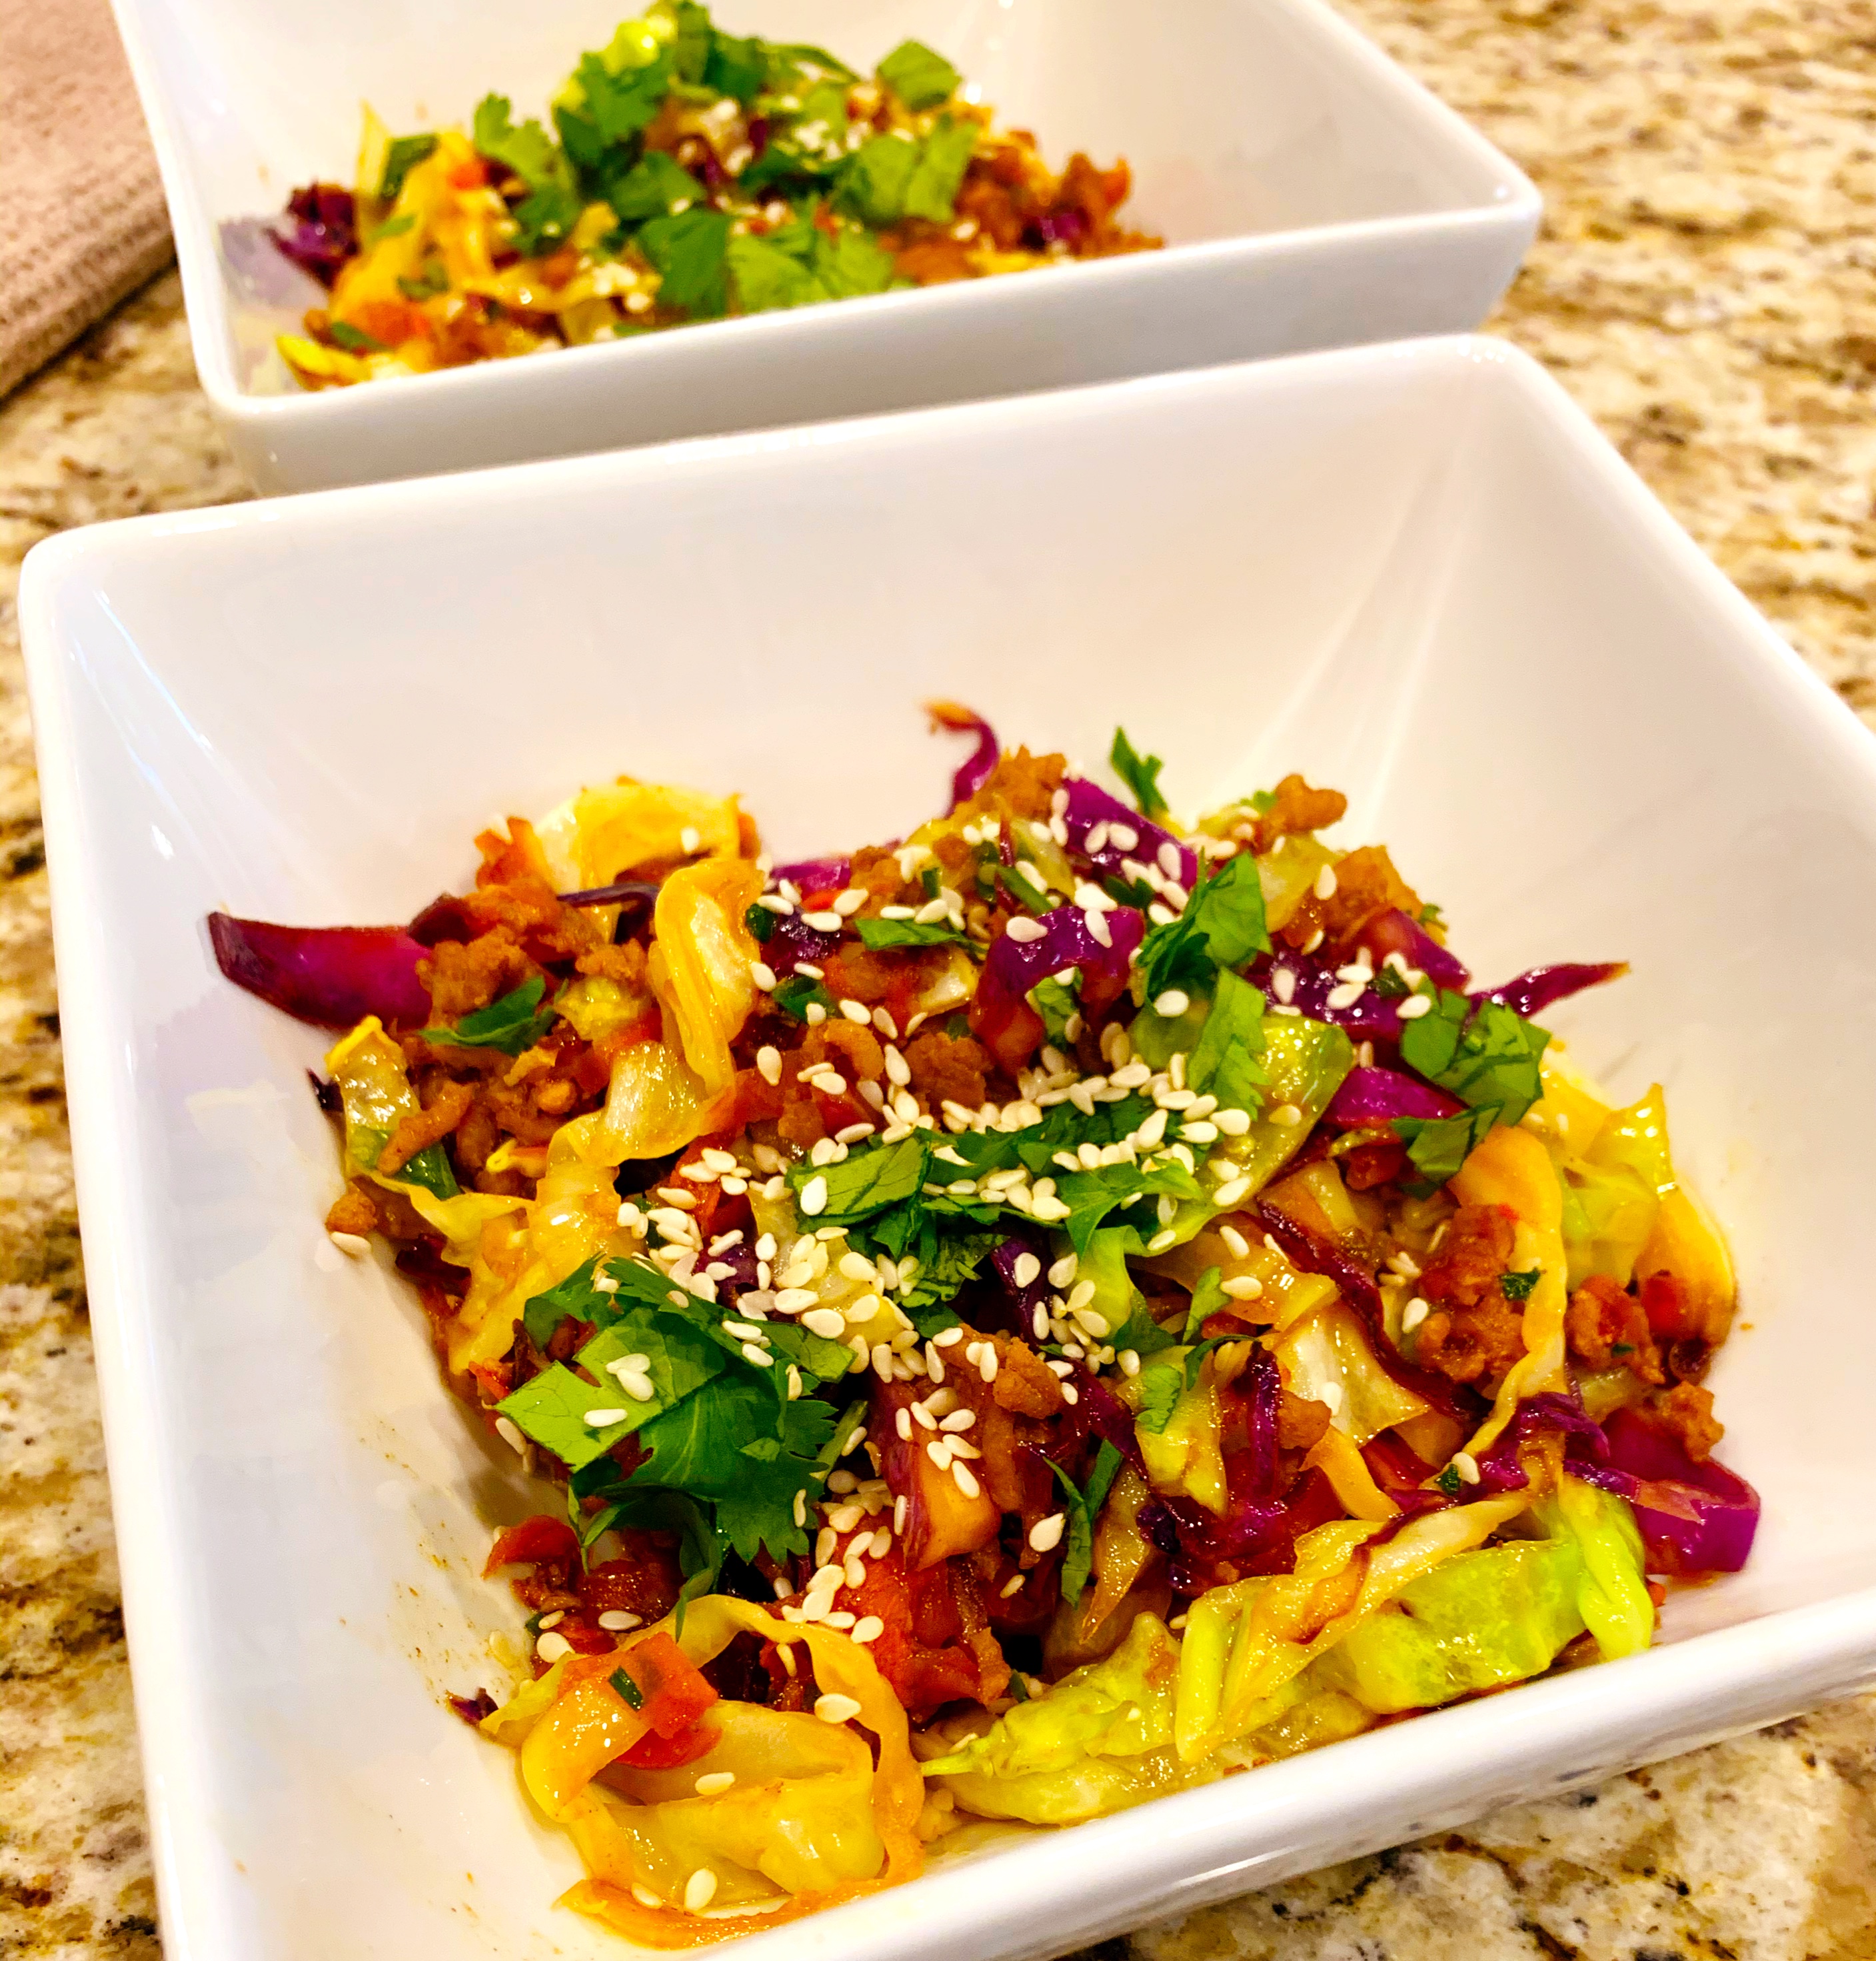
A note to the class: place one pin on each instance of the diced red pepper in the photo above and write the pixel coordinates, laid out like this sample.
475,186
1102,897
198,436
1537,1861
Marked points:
540,1538
675,1692
654,1752
1669,1309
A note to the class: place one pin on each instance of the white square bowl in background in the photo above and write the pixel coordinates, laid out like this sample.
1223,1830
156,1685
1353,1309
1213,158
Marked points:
1415,571
1313,196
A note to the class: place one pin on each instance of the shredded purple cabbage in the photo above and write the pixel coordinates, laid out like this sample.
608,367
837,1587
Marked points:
795,943
974,773
1395,932
620,892
1015,966
1695,1518
324,232
1018,1304
815,875
1378,1095
332,976
1531,993
1091,811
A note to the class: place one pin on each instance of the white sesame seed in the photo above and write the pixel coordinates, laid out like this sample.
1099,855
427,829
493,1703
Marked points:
1245,1287
849,902
853,1132
1172,1003
1325,885
869,1629
828,1322
1098,929
1416,1312
1025,930
1414,1006
961,1419
699,1889
754,1352
858,1013
763,975
553,1647
643,1894
510,1433
552,1620
616,1620
814,1195
769,1063
1045,1534
599,1419
966,1480
836,1708
1014,1585
1287,1115
713,1781
690,838
1467,1465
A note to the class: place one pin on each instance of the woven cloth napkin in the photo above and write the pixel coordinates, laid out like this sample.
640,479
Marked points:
81,216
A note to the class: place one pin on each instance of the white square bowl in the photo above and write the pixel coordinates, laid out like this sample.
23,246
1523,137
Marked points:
1316,196
1415,571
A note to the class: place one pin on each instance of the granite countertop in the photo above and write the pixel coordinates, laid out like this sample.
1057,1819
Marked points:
1706,286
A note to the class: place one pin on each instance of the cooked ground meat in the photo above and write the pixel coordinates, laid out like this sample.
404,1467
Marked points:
1685,1413
1024,1385
1476,1250
948,1068
1468,1344
1301,1422
1020,785
423,1128
1605,1325
464,975
1295,807
352,1211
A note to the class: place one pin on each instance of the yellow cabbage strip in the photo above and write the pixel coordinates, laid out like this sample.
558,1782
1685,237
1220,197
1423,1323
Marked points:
809,1813
573,1215
1325,1357
608,831
1511,1168
654,1104
1243,1643
701,962
459,1220
1335,1455
1288,1293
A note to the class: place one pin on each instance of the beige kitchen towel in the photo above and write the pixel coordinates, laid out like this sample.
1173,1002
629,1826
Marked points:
81,215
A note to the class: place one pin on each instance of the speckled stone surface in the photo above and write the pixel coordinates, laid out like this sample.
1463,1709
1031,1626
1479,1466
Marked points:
1706,286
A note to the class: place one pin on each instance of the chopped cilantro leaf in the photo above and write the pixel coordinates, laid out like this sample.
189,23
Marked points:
866,1181
525,148
401,156
628,1691
1208,1298
1084,1508
431,1169
353,340
1449,1481
655,186
931,190
1485,1054
690,249
515,1022
1055,999
431,279
761,922
797,994
1518,1286
920,78
395,228
1226,1062
736,65
880,934
1140,773
1161,1388
1222,925
877,176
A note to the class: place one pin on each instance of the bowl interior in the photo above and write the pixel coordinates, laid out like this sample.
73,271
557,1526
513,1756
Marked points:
1405,571
1238,116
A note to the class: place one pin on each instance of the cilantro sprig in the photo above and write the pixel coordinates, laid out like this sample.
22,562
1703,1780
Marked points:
515,1023
1083,1504
1482,1053
1140,773
1221,926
